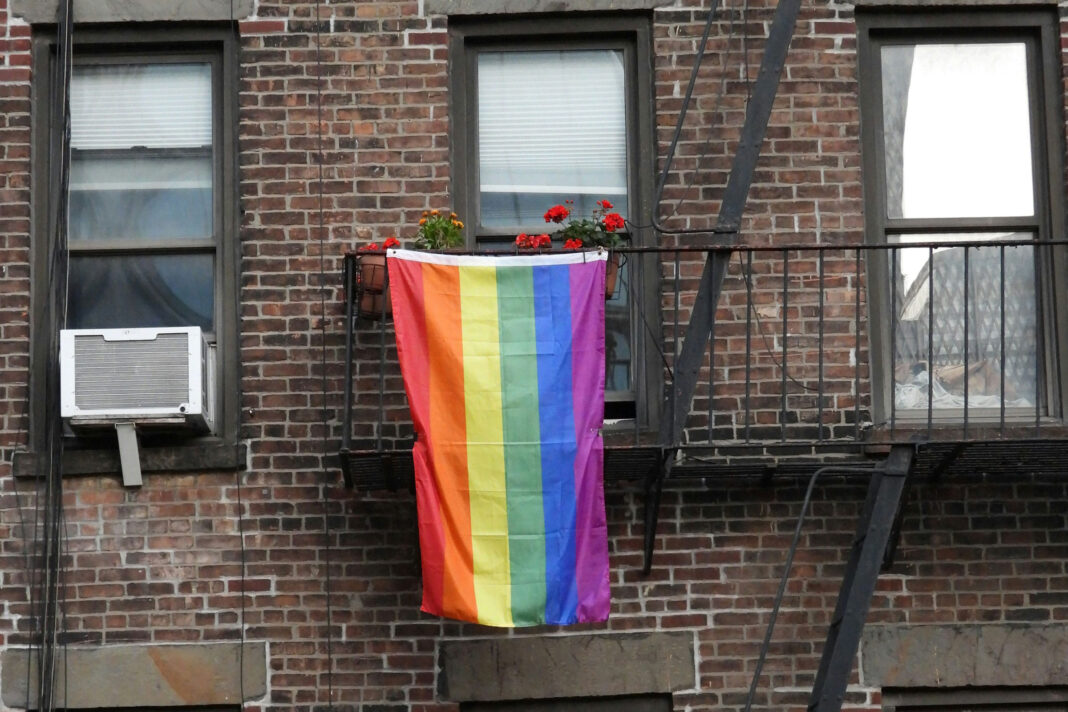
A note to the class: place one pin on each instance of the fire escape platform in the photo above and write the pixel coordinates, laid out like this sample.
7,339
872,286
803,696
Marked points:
623,465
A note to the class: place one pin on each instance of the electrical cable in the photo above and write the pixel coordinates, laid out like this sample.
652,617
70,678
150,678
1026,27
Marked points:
786,571
322,335
235,168
658,223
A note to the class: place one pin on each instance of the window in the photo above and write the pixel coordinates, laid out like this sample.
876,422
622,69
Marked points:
976,699
549,110
961,122
152,220
142,218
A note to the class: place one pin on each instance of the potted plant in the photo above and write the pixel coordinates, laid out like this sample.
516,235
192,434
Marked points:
437,231
372,287
597,231
524,241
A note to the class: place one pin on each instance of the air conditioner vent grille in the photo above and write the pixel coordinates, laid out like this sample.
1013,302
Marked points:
131,374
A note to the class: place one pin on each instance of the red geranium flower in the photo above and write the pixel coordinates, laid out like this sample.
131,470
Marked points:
522,240
370,247
613,222
391,242
542,240
573,244
557,214
605,205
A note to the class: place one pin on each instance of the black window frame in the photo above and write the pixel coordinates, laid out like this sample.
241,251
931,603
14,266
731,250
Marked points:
630,32
1038,29
149,42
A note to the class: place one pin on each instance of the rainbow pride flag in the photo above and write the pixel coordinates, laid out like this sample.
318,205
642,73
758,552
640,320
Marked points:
503,364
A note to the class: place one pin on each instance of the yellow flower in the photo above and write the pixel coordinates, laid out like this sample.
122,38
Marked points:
433,212
422,221
459,224
454,216
425,213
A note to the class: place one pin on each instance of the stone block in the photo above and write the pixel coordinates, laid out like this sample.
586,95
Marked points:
140,675
46,11
964,655
569,666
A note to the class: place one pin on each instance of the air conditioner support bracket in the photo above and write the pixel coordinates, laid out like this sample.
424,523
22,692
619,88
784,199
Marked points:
128,454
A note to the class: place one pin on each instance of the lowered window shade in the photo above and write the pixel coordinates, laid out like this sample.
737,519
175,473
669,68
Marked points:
551,126
141,105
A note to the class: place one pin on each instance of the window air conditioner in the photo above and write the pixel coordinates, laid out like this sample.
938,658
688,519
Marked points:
147,376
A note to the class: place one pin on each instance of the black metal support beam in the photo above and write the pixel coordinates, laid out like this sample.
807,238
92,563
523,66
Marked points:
350,348
735,195
858,584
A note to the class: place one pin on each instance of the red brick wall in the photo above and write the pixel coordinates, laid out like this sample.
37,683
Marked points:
165,562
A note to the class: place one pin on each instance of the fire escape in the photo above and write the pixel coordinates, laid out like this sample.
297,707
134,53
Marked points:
796,360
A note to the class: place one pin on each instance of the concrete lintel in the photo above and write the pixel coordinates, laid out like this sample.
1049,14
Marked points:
510,7
965,655
567,666
46,11
140,676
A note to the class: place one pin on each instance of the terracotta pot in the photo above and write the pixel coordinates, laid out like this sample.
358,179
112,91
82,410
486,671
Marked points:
371,303
372,271
611,275
373,293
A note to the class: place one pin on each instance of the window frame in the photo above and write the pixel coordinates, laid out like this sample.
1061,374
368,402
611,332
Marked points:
165,451
629,32
1037,29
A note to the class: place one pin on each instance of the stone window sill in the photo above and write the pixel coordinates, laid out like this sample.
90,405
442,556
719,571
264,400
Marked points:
515,7
206,454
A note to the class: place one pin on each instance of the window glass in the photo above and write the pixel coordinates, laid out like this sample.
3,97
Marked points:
125,106
956,128
932,308
142,198
551,127
141,291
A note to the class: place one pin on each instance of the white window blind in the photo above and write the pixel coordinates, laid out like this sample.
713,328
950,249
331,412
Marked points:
151,105
552,122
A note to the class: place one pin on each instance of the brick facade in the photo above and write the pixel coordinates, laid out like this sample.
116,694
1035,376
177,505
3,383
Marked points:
189,556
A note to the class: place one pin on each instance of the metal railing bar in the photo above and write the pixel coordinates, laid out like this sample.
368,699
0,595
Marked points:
821,317
856,345
967,340
350,344
792,246
930,339
785,338
712,373
1001,312
675,342
382,360
748,340
1038,352
893,341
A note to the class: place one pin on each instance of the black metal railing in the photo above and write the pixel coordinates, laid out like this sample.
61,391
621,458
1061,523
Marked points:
812,347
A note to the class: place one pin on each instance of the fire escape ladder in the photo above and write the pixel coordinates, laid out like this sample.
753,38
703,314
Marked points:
874,529
688,363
